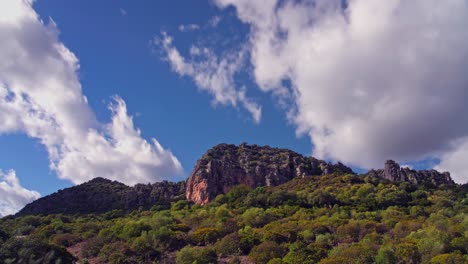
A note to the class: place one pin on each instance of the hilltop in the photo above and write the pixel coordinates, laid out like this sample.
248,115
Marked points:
102,195
219,170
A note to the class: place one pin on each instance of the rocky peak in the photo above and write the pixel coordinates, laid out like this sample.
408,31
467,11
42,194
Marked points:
393,172
225,166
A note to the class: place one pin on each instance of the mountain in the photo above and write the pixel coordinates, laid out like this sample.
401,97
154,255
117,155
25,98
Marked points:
272,206
101,195
219,170
333,218
225,166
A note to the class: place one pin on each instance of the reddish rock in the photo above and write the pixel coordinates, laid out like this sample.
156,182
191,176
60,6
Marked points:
225,166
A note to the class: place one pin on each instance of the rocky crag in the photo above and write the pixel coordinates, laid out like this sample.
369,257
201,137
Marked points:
101,195
216,172
225,166
393,172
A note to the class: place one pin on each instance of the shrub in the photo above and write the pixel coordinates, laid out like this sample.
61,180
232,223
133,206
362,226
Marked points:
407,252
451,258
181,205
299,254
385,255
354,253
65,240
237,193
115,252
205,236
228,245
92,247
266,251
460,244
190,255
255,217
134,229
248,238
33,250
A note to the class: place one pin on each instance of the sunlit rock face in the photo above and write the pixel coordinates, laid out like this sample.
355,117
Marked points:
225,166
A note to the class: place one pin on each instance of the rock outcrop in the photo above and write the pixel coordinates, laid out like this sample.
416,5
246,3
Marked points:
393,172
225,166
102,195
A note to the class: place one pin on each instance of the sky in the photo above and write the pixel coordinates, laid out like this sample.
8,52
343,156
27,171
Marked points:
137,91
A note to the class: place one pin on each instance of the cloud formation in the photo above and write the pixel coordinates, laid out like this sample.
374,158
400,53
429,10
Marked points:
455,161
371,80
14,196
211,73
41,96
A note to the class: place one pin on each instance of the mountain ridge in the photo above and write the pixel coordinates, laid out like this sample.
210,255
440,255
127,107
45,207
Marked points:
220,168
101,195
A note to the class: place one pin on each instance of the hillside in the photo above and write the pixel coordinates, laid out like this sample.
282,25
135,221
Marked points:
333,218
219,170
101,195
249,204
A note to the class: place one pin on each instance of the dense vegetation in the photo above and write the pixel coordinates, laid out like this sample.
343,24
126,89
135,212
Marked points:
318,219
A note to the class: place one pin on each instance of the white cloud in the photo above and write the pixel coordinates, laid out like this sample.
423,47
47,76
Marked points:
211,73
188,27
117,152
456,162
41,96
373,81
14,196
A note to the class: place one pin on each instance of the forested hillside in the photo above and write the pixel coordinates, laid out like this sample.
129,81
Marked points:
335,218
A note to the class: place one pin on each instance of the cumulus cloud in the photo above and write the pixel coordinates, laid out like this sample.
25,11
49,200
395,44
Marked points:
14,196
41,96
371,80
455,161
211,73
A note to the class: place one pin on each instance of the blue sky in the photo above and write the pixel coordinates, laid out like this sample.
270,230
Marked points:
137,91
116,58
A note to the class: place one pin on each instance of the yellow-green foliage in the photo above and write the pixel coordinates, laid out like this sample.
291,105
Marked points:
318,219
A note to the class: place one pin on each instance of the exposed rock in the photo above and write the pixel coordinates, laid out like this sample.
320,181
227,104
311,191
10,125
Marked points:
225,166
393,172
101,195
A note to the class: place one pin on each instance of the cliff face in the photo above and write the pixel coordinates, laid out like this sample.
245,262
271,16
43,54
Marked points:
393,172
101,195
225,166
